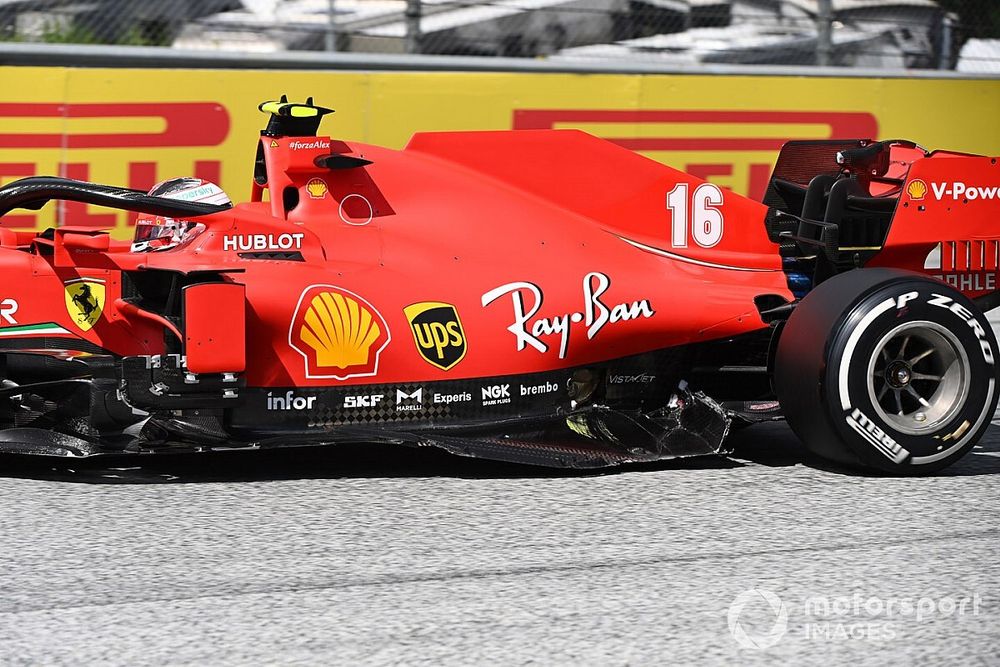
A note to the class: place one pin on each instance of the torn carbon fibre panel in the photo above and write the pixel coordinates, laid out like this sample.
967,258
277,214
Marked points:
590,437
36,441
597,436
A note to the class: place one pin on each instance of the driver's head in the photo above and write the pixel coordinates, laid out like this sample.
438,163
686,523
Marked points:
191,189
157,232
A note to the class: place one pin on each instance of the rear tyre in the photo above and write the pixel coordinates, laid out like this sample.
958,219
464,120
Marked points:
887,370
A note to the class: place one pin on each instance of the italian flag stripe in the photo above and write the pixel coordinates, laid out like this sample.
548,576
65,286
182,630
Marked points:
33,330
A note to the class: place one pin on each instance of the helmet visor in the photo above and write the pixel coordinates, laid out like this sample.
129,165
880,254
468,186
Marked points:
161,233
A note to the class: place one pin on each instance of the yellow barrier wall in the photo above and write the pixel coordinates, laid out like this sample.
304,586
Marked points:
135,127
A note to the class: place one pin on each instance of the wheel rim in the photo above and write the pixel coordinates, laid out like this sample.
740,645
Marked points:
918,377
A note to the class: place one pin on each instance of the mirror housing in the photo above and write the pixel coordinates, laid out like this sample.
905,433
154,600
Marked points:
81,247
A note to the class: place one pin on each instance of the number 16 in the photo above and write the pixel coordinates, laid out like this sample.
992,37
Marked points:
706,220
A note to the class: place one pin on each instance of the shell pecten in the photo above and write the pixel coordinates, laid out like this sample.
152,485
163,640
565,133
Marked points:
339,329
917,189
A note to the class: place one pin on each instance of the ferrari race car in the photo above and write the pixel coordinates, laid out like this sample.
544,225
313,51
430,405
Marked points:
538,296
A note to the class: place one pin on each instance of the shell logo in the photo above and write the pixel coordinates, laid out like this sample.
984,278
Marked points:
316,188
917,189
338,333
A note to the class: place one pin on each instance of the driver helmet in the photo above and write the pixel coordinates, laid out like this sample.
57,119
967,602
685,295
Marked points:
154,233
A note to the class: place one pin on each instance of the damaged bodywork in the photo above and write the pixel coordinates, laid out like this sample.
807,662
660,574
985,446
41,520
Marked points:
541,297
84,409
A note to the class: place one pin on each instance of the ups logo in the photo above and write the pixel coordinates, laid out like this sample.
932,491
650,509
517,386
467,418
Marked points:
438,333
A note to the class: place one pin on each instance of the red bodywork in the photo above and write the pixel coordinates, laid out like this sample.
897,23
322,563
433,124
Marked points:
537,296
471,255
946,223
553,247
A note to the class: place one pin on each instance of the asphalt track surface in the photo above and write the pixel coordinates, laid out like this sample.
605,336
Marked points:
372,556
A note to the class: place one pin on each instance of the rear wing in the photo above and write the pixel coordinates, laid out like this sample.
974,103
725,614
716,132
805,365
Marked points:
34,192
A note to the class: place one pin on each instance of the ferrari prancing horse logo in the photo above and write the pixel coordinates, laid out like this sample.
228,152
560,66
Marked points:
85,301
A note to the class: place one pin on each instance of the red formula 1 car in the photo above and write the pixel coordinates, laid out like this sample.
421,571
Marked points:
542,297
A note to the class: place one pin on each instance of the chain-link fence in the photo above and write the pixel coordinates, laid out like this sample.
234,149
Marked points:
885,34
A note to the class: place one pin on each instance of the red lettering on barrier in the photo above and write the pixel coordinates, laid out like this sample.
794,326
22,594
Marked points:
18,170
141,176
75,213
704,171
208,170
840,125
186,124
760,177
194,124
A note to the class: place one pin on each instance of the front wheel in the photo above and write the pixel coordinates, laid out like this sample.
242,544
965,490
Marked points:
887,370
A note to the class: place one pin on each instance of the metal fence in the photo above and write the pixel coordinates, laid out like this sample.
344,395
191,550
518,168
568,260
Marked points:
879,34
